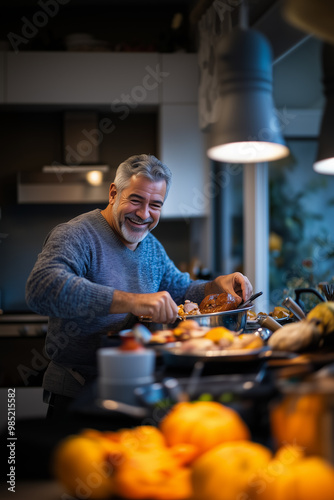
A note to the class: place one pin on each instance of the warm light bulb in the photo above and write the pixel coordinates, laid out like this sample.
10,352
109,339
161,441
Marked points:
94,177
248,152
324,166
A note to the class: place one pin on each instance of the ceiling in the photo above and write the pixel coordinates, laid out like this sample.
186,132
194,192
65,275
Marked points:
124,23
146,25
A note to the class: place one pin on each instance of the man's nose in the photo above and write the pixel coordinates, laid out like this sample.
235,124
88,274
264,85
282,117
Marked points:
143,211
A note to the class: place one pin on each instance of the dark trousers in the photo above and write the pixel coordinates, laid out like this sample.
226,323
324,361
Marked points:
58,405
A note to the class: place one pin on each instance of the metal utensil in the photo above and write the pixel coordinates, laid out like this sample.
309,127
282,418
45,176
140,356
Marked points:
249,301
296,310
126,409
269,322
174,389
194,378
328,290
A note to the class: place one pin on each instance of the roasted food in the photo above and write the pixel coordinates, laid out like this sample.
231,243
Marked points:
218,302
188,308
226,340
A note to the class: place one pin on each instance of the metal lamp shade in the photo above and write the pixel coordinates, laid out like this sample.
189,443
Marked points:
312,16
247,129
324,163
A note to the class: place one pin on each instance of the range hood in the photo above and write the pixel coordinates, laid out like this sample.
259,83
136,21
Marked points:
81,178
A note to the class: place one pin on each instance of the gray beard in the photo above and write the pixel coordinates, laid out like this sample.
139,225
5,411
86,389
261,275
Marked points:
127,234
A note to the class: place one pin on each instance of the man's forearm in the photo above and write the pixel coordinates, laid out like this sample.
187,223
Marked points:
122,302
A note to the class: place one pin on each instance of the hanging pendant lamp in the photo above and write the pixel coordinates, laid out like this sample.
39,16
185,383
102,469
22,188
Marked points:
312,16
324,163
247,129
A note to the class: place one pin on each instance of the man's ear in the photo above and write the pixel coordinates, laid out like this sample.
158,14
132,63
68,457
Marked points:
112,193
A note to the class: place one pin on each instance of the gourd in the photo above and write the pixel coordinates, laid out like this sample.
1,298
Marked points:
314,331
323,316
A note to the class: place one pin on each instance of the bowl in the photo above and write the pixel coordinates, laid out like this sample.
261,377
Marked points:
234,320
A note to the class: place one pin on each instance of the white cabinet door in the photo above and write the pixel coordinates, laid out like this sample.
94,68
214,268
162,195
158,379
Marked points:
181,80
181,145
84,78
2,76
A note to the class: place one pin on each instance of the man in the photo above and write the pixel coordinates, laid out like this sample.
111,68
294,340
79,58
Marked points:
100,271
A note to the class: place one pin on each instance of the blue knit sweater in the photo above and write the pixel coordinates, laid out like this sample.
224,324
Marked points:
73,281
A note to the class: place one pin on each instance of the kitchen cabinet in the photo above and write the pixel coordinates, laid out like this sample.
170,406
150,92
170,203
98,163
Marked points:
166,82
83,78
2,77
182,149
181,84
100,78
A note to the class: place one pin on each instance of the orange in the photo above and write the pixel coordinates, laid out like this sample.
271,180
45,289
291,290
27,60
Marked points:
296,420
219,332
226,472
152,474
81,465
270,480
203,424
308,478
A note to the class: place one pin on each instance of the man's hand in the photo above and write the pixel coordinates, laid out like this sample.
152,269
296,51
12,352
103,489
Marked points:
159,306
236,284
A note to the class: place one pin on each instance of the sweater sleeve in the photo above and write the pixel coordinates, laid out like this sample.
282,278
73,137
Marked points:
57,285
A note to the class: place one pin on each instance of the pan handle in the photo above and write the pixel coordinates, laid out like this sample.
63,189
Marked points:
294,308
299,291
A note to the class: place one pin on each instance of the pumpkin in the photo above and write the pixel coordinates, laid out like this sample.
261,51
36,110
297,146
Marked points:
226,471
204,424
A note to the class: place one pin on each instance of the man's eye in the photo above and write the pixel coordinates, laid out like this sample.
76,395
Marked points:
156,207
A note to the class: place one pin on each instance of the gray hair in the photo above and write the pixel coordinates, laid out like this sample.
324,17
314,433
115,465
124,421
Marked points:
147,166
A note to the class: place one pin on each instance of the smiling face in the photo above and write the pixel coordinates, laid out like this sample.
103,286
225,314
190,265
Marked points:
135,211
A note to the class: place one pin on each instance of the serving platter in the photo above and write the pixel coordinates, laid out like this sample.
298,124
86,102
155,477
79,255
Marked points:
174,355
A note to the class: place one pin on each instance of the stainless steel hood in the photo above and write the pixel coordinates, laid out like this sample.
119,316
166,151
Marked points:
60,187
81,178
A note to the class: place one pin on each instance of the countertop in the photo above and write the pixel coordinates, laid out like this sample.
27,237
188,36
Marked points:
33,490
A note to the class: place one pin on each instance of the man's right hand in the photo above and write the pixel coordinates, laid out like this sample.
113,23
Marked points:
159,306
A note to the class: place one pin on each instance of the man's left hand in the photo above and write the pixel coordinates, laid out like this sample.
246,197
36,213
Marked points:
236,284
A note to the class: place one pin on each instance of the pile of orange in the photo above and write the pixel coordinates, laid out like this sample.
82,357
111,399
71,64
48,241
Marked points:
200,451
